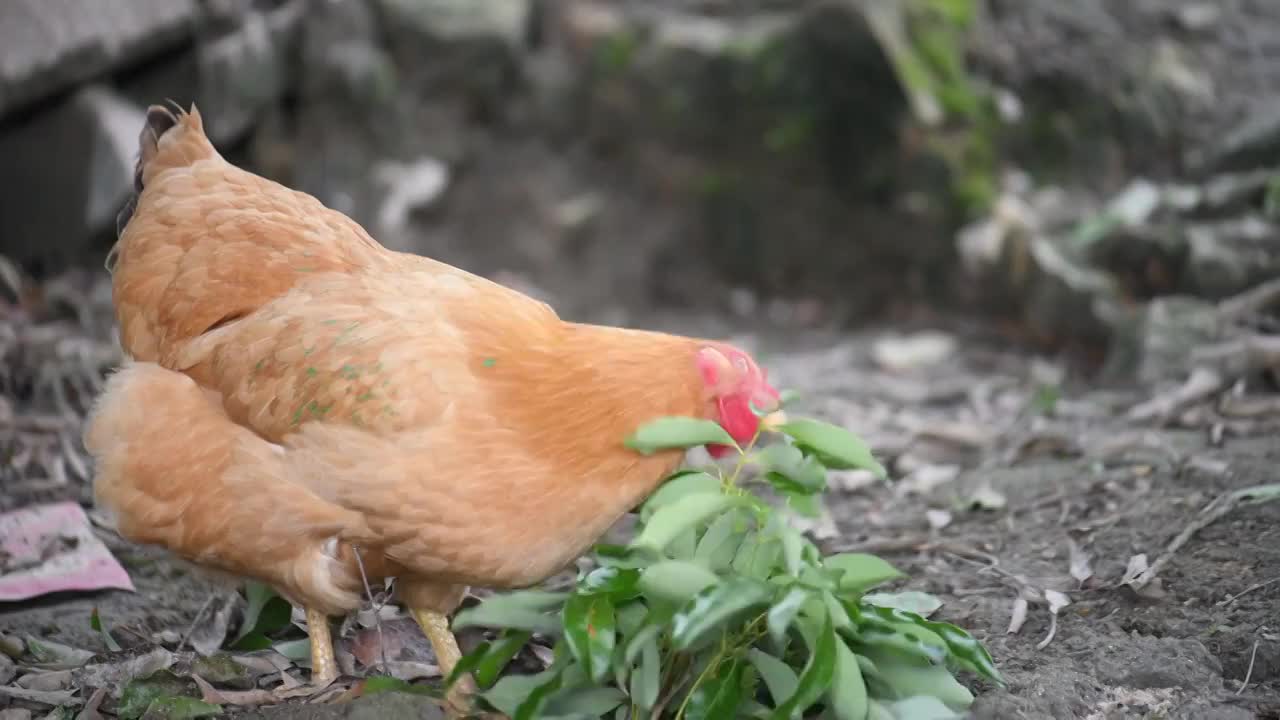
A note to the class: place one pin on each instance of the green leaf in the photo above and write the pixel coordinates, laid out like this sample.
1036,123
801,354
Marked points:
839,617
757,555
468,663
848,693
138,694
908,677
591,631
719,694
914,634
645,682
860,571
921,603
631,616
834,446
95,622
656,621
680,485
525,610
618,583
673,519
791,471
262,615
220,668
252,641
784,612
531,706
922,707
677,433
298,651
180,708
792,550
778,676
382,683
714,608
966,651
675,581
591,702
511,691
720,542
685,544
895,629
809,506
817,675
488,660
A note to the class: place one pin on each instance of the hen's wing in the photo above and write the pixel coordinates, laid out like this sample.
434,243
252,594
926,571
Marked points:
174,470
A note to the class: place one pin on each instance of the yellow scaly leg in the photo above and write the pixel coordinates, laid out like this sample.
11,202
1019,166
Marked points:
324,666
436,627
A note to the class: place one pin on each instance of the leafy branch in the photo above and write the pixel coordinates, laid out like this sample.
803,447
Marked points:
718,608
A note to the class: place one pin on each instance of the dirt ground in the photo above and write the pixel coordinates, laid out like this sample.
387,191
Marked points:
1002,466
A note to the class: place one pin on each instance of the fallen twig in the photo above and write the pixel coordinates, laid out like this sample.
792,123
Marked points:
1253,657
1246,591
1211,513
1202,383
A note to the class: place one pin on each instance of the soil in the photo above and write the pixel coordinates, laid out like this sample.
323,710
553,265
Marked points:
1078,474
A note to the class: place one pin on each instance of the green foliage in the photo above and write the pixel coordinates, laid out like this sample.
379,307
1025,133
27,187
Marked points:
925,41
266,613
720,609
95,622
161,694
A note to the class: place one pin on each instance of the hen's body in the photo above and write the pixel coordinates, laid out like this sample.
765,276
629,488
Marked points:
299,391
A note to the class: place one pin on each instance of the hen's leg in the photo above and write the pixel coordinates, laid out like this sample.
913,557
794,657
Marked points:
324,666
430,605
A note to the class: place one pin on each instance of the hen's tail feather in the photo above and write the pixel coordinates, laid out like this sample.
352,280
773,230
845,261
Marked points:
172,469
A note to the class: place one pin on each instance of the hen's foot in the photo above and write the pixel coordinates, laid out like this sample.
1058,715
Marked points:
436,627
324,666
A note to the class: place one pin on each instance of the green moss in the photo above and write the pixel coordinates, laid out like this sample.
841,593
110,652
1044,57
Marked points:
791,132
616,52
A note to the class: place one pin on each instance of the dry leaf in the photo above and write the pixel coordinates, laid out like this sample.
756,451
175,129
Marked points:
987,498
1019,616
45,681
1081,568
1056,600
90,710
208,635
938,519
115,675
1137,565
44,697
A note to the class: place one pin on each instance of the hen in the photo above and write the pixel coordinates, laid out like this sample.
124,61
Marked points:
302,405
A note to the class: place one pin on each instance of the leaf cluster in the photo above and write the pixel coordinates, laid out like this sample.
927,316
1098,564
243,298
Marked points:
718,608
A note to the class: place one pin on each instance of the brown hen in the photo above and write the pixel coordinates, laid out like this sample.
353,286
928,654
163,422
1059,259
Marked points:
297,394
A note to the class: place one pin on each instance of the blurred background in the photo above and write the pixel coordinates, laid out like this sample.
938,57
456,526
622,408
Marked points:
1057,171
1028,249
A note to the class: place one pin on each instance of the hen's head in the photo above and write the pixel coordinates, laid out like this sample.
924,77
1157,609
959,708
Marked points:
735,384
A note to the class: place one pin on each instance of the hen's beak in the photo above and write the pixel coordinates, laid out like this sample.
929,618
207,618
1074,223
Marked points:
773,420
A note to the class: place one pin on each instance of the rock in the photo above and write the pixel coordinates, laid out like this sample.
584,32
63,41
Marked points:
243,72
48,46
506,20
66,174
1251,144
408,187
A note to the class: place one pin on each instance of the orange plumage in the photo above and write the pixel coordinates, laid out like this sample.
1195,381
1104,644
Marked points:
297,391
